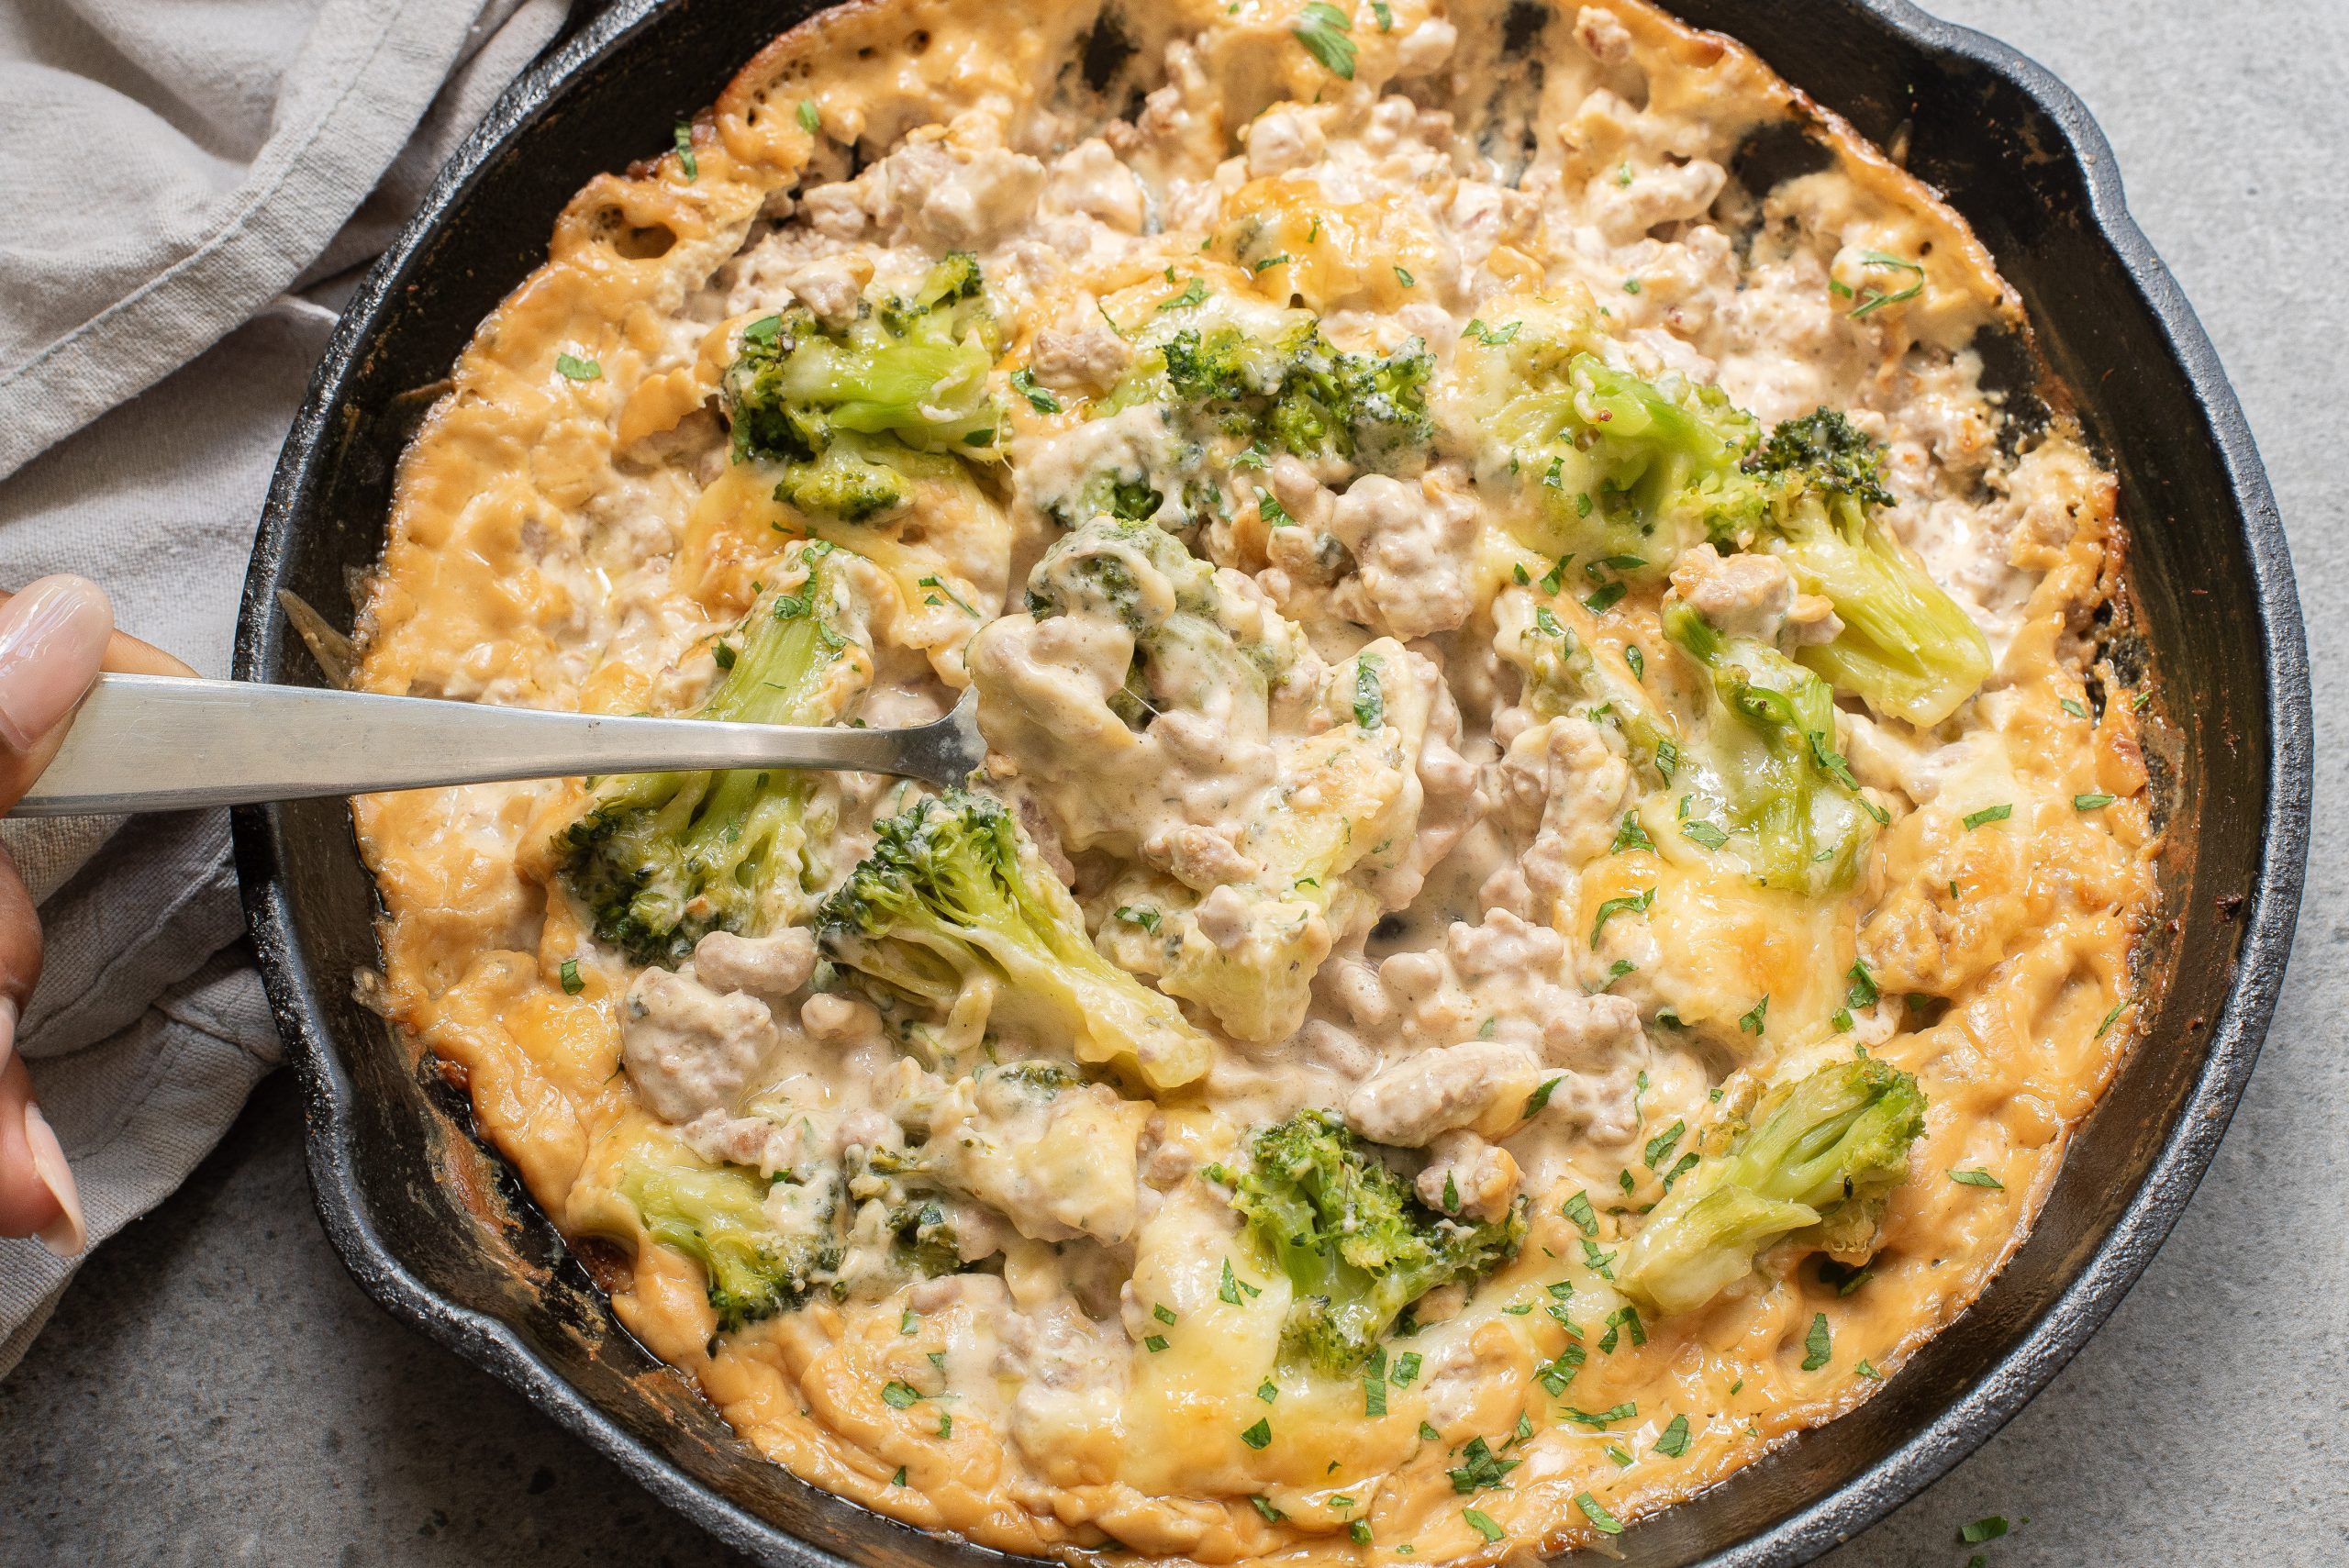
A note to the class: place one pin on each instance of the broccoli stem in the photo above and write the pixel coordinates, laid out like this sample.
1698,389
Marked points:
1906,648
1813,1149
660,860
1772,738
717,1216
951,896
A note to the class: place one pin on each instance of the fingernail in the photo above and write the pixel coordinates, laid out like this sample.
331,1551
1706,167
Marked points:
7,1031
65,1234
52,638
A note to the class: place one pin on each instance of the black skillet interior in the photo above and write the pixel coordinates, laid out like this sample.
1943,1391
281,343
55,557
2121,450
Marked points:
390,1145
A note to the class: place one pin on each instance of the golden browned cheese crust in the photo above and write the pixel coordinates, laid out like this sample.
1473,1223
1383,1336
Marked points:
573,543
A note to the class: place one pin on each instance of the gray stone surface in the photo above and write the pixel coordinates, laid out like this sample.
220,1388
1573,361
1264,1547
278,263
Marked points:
214,1389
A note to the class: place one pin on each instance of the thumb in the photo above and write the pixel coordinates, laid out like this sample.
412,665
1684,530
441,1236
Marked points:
54,636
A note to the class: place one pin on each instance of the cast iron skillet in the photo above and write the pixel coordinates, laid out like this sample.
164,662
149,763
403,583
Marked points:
441,1234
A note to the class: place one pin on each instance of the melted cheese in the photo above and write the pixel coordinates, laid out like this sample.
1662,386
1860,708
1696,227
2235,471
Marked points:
580,543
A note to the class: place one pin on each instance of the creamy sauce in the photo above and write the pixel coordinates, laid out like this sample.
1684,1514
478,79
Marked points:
1486,925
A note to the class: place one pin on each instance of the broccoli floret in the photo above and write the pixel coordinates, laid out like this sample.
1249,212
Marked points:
1811,1152
952,894
1140,575
662,859
1353,1237
924,1240
719,1216
1608,467
1782,786
854,413
1906,646
1288,389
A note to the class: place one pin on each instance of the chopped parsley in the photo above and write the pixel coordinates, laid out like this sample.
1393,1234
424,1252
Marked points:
1406,1367
685,159
1634,904
1370,698
1977,1179
1622,1318
1818,1344
909,1321
1264,1506
1753,1021
1494,337
1164,1313
571,984
1359,1532
1982,1529
1373,1395
1877,299
1482,1524
1637,661
1402,274
2074,708
1986,814
1194,293
1602,1419
1481,1469
1322,29
1595,1512
1141,914
1675,1441
809,121
578,369
1704,833
1023,382
1555,1376
1386,17
1156,1343
1577,1208
2090,801
1608,596
898,1396
959,603
1259,1435
1539,1099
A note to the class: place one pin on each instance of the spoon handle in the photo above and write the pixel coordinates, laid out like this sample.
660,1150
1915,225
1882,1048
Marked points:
159,743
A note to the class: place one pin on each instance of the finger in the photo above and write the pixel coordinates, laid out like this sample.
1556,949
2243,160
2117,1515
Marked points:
52,637
37,1190
127,655
38,1197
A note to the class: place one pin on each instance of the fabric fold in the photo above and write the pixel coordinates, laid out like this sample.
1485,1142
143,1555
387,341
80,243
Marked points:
152,359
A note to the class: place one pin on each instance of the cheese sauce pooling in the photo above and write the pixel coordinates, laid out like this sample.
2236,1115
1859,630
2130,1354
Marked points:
1371,691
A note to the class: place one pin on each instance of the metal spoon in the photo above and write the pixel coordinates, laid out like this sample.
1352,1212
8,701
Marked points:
159,743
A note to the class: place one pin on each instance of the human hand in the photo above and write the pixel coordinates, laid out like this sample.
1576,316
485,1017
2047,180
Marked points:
54,638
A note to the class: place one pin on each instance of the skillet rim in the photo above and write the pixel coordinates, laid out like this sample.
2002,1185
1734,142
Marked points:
2042,1349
